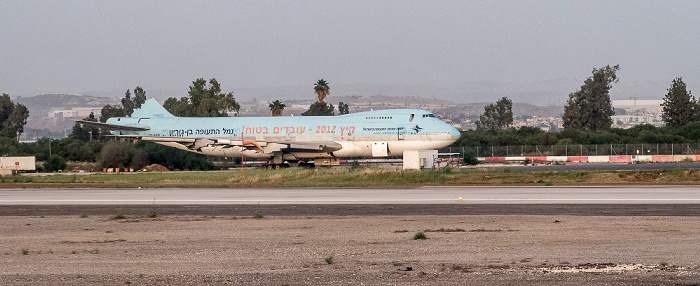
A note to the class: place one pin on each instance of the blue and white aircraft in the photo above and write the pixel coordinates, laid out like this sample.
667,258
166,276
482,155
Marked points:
294,139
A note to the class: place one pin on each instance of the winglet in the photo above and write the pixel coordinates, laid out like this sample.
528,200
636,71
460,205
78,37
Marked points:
151,109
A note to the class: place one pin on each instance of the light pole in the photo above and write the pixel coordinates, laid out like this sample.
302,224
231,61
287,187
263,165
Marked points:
49,144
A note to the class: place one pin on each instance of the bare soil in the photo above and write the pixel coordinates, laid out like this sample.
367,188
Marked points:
374,248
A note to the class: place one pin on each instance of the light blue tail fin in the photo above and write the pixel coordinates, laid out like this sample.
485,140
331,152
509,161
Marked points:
151,109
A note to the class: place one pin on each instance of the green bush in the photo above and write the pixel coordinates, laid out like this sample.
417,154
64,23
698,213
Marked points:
470,159
419,235
117,154
55,163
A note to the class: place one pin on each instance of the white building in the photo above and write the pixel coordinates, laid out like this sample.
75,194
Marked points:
637,111
76,112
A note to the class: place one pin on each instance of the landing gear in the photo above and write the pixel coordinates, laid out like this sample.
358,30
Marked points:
306,164
275,166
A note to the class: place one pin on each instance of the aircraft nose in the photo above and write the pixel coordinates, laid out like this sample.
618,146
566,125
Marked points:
455,134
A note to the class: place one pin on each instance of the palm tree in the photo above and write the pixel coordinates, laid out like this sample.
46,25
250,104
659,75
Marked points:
276,107
322,89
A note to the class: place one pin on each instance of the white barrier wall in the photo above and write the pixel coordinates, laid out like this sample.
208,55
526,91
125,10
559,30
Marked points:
598,159
557,158
642,158
680,158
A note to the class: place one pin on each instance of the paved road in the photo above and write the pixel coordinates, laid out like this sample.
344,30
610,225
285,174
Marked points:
358,196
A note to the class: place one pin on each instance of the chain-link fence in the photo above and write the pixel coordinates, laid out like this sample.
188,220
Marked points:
577,150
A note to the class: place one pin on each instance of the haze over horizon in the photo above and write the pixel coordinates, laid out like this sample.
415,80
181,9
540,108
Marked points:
464,51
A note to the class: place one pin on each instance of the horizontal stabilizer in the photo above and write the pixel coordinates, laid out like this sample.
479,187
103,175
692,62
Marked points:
113,126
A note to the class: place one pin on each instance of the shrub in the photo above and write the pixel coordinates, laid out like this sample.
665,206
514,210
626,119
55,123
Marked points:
153,210
119,215
55,163
419,235
470,159
117,154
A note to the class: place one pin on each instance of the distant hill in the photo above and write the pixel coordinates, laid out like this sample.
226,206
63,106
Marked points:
40,105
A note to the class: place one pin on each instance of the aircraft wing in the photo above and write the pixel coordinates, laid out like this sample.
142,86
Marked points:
324,146
113,126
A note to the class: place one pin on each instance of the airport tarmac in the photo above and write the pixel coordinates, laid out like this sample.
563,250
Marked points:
358,196
626,235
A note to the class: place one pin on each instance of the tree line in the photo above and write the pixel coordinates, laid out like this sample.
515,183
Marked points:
587,119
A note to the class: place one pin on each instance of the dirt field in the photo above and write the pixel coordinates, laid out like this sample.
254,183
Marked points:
372,249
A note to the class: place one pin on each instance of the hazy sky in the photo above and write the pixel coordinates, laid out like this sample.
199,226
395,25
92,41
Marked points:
79,46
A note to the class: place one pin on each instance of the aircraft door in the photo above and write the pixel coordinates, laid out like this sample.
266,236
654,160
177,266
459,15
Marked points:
380,149
400,132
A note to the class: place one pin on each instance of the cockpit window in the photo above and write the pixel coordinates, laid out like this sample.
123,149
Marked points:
428,115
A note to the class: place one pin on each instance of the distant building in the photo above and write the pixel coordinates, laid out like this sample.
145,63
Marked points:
636,112
75,112
546,123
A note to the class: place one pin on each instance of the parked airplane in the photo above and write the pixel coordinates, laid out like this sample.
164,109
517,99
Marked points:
294,139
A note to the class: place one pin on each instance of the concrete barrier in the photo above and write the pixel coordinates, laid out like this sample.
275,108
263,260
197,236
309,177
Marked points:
620,158
598,159
642,158
577,159
662,158
557,158
591,159
495,158
681,158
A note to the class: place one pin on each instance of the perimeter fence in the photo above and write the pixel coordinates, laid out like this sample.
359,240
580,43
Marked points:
577,150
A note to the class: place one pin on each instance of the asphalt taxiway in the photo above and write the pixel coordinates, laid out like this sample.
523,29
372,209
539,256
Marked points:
570,200
419,195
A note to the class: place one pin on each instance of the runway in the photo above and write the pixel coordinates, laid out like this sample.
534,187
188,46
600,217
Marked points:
358,196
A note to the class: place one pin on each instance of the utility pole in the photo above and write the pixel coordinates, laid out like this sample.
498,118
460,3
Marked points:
242,157
49,143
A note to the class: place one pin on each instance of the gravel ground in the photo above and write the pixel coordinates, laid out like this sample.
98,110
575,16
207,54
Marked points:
371,249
